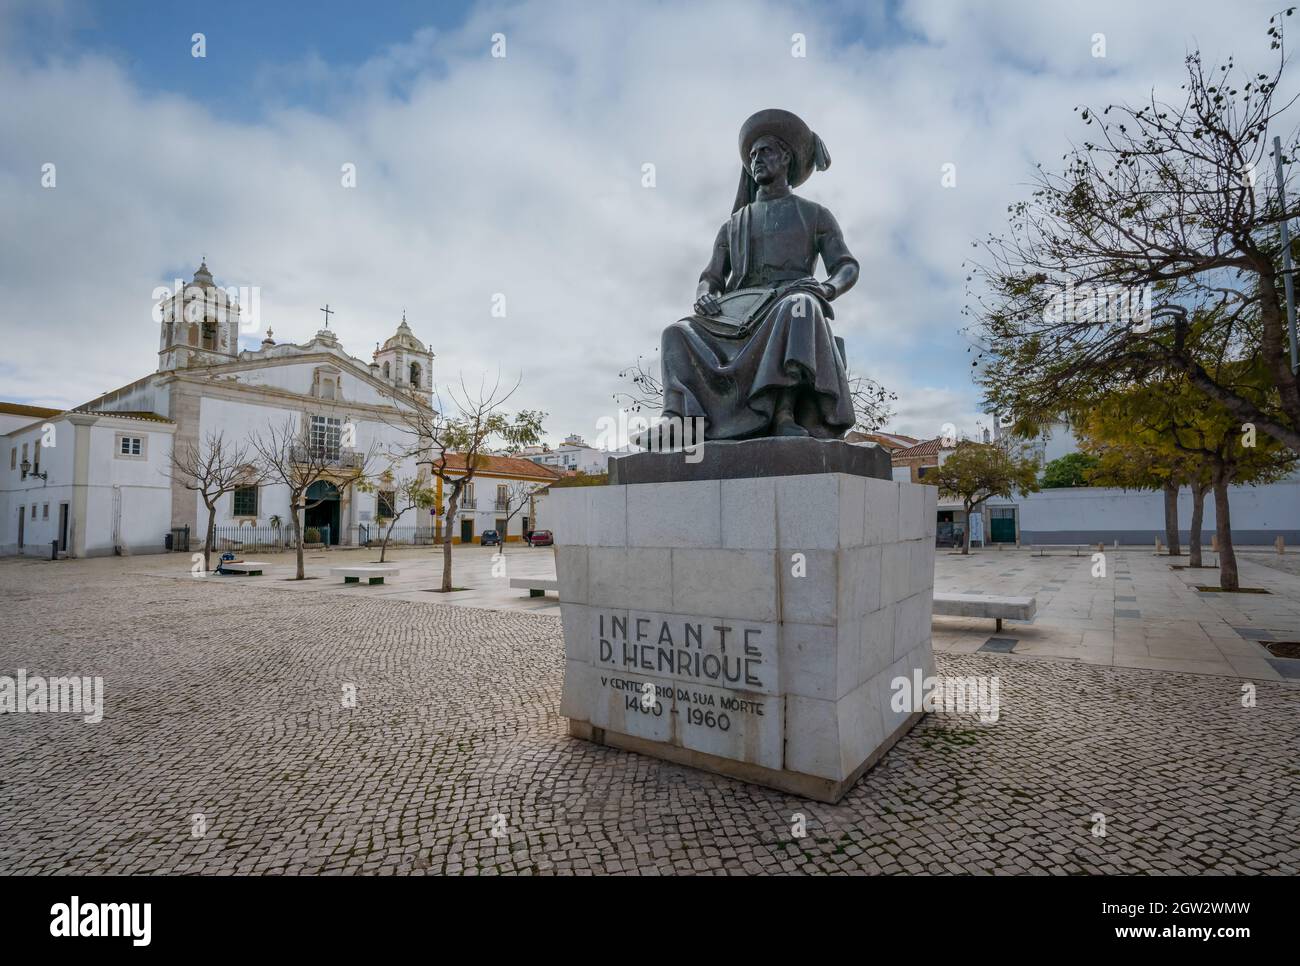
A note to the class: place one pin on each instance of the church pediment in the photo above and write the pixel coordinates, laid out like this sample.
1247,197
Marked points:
306,375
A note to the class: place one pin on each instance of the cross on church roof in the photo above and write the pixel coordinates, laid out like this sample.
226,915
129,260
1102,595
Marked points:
328,312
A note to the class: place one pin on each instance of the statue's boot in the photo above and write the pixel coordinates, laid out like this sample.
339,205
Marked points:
783,423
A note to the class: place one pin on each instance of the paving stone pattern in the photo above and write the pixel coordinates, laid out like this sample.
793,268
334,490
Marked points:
225,698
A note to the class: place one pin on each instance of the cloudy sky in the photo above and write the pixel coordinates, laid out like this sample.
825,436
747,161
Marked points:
522,175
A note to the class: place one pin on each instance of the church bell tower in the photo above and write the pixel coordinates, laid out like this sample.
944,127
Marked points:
199,325
406,363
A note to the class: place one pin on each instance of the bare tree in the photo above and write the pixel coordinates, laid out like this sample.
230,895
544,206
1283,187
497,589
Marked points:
291,458
453,445
212,469
871,402
1169,200
403,495
646,390
516,495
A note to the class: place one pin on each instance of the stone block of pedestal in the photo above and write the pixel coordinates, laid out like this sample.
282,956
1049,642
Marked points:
747,626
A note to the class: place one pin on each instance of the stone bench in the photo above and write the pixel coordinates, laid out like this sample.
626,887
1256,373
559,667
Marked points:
249,568
375,573
984,605
536,586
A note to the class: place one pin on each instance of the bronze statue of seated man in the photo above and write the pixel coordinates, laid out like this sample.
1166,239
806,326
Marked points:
758,357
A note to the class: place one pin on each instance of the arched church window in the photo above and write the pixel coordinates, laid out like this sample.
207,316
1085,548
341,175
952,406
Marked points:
386,370
194,335
415,375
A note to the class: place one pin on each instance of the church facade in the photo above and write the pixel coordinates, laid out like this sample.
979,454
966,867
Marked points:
98,479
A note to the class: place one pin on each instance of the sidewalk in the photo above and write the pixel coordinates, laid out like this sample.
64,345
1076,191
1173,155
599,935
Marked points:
1141,614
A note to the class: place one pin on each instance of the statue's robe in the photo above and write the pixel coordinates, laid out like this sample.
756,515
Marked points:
733,379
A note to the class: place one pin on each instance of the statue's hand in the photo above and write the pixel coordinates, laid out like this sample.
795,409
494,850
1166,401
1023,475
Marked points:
827,290
708,304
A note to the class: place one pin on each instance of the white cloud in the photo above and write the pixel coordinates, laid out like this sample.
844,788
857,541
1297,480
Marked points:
522,176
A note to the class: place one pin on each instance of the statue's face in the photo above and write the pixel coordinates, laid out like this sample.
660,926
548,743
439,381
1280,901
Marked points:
769,161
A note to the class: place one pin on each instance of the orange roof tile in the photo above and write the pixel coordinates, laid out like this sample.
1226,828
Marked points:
22,409
504,466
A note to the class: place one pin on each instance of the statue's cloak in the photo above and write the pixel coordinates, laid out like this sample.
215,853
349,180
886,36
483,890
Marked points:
773,334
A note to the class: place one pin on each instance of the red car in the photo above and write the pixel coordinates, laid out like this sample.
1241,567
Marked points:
541,538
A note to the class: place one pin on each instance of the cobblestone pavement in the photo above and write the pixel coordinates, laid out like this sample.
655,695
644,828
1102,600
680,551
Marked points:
224,699
1142,611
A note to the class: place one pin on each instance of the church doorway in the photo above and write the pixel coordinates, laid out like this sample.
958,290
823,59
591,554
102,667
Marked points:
324,516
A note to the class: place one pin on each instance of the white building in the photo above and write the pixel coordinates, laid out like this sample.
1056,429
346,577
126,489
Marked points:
98,478
1089,514
506,495
573,455
88,481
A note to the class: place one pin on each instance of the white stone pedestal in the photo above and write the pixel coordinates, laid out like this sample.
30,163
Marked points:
768,617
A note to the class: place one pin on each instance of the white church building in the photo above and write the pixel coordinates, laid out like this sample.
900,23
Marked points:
97,479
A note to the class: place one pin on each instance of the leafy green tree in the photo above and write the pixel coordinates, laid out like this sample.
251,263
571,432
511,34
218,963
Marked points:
976,472
1132,457
1069,470
1234,453
1200,441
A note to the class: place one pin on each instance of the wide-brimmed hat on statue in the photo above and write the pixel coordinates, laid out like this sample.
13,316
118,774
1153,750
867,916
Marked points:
807,151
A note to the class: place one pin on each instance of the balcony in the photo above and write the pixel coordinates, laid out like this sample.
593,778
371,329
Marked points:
468,503
344,460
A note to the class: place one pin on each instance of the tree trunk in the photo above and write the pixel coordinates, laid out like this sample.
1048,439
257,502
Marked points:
295,510
453,504
388,535
210,539
1171,518
1273,316
1198,518
1223,527
965,537
1272,341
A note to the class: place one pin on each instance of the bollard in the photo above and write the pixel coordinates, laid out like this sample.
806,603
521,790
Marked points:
1280,544
1157,546
1101,547
1214,543
54,549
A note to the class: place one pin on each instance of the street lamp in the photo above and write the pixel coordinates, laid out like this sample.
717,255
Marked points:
26,466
